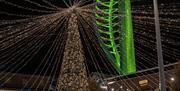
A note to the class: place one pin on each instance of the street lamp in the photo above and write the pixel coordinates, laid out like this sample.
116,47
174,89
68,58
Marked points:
159,48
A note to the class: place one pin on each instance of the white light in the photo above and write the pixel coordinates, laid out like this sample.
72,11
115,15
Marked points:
121,86
112,89
103,87
128,90
172,79
111,82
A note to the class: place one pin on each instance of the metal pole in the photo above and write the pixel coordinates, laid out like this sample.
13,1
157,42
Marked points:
159,48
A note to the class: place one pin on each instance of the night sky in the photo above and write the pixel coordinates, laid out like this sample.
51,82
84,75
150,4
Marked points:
144,33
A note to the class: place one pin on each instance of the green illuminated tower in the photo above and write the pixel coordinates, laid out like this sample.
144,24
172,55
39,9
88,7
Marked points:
115,28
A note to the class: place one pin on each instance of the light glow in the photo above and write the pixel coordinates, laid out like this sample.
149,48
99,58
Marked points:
116,32
172,79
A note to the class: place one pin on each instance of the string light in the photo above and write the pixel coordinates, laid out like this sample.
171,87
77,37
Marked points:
22,39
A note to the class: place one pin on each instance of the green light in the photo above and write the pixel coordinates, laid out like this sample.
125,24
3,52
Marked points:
116,33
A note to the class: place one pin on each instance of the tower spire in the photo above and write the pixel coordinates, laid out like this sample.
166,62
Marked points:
73,76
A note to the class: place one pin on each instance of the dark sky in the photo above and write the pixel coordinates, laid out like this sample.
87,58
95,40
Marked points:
35,61
136,5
